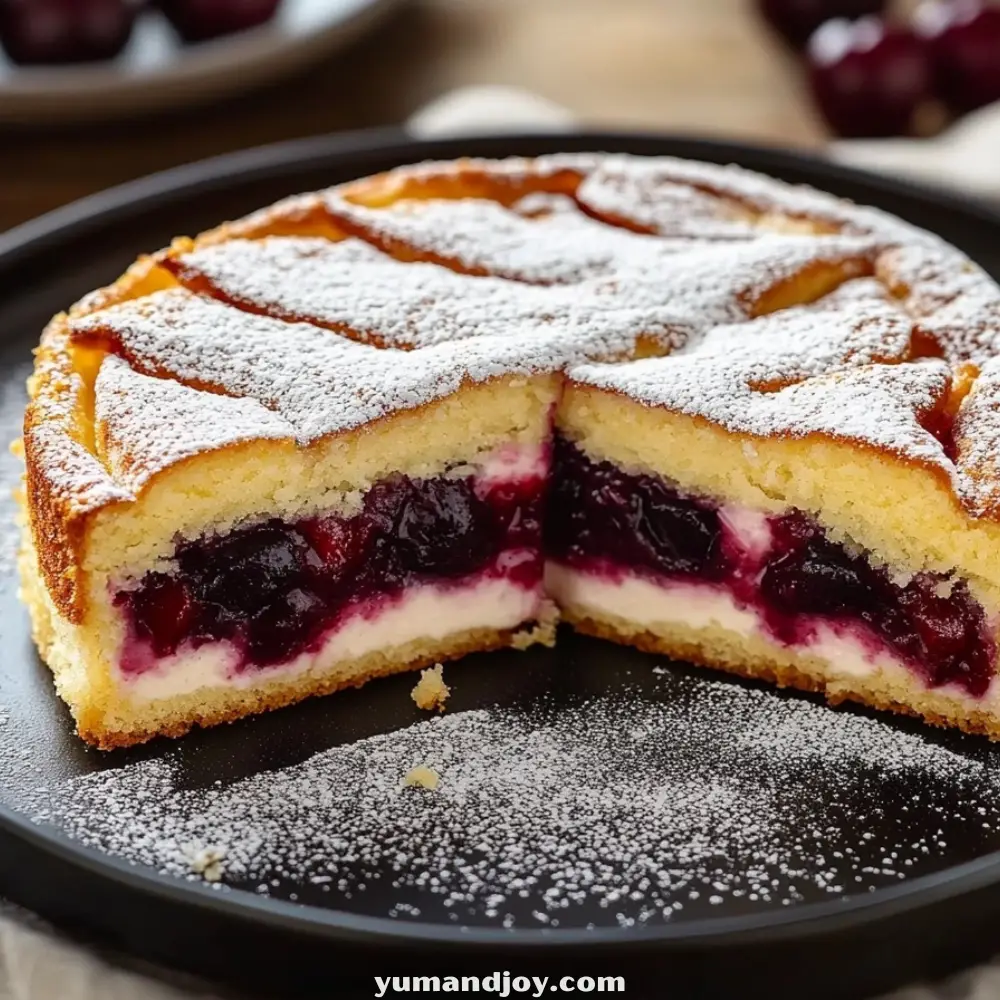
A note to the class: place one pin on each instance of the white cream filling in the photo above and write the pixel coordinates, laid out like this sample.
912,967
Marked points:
750,527
426,612
513,463
648,605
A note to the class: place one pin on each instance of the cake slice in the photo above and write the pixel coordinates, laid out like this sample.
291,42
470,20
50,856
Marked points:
285,513
781,503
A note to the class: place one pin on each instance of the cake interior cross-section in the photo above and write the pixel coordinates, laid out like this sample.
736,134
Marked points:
679,406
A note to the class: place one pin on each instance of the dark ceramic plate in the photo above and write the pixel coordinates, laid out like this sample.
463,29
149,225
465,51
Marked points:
936,915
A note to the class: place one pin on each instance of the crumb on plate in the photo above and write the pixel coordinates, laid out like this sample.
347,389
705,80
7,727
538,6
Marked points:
422,776
431,691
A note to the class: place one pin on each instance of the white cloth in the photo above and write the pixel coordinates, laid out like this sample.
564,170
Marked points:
36,965
965,158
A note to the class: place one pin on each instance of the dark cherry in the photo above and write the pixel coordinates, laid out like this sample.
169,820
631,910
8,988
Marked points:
808,574
246,570
162,611
339,543
964,41
597,510
517,511
284,627
796,20
443,527
47,32
869,79
200,20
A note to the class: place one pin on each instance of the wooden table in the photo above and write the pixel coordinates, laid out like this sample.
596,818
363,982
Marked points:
703,66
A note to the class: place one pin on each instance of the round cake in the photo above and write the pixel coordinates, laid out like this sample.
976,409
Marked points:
679,406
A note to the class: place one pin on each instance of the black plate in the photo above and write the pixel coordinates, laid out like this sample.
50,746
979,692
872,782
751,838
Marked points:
886,930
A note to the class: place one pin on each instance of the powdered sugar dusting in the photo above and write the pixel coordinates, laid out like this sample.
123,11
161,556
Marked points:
482,268
801,371
542,239
151,423
613,810
355,289
316,382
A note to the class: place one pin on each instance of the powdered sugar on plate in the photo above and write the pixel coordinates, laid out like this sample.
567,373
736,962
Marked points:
618,809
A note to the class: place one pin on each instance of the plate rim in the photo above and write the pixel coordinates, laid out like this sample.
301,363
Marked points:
802,921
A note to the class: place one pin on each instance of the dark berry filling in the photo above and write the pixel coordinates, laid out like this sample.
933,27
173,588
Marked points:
597,511
937,627
604,520
275,589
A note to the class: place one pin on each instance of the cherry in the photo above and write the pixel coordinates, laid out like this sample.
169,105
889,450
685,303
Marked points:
811,575
162,610
65,31
964,41
796,20
284,628
246,570
869,79
339,542
443,527
598,510
199,20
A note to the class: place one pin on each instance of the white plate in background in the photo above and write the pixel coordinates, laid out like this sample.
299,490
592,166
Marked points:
157,70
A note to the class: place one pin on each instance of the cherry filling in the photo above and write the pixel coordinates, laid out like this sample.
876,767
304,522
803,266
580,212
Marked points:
275,589
598,512
933,624
603,520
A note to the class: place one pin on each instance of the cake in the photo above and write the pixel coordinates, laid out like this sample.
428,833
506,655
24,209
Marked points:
679,406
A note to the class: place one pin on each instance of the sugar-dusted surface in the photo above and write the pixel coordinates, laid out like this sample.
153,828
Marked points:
478,268
695,796
140,416
657,291
317,382
804,370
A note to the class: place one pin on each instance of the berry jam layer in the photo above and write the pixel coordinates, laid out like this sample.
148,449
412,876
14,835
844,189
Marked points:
627,542
276,593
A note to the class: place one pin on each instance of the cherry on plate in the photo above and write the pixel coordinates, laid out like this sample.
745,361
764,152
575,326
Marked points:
48,32
200,20
964,41
796,20
869,79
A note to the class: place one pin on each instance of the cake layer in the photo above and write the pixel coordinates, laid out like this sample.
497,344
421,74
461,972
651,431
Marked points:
262,450
902,511
427,615
707,625
113,712
630,536
275,590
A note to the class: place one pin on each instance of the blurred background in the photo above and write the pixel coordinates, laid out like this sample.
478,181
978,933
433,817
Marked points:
95,92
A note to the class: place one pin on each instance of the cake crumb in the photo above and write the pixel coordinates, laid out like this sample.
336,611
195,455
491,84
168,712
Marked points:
422,777
208,863
542,631
431,691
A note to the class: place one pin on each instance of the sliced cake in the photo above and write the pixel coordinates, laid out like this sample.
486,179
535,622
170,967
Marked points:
688,407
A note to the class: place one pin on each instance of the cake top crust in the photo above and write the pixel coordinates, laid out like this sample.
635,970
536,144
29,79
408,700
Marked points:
769,309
